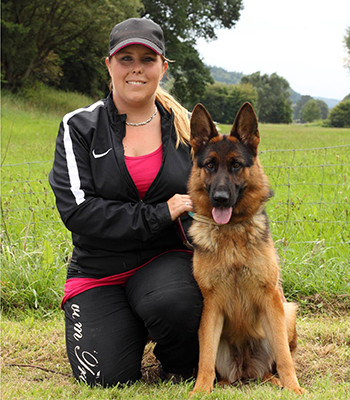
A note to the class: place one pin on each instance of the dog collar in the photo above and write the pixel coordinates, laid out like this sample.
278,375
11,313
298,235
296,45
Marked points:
203,219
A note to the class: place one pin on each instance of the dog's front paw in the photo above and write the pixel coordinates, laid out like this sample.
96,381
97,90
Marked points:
298,390
203,390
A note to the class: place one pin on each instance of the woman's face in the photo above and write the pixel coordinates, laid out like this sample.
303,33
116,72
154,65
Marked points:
135,71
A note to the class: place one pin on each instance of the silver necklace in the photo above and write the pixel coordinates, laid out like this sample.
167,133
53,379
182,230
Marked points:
145,122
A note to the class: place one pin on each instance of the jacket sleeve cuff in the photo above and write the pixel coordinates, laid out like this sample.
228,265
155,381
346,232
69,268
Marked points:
164,217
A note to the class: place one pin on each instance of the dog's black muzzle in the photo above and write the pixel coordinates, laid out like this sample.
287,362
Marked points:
221,198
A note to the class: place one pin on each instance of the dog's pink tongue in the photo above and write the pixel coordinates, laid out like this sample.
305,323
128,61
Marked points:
222,215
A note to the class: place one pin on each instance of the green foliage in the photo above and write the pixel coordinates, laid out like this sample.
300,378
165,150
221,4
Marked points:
274,104
63,44
33,277
221,75
190,76
223,101
41,39
310,111
307,109
299,105
340,115
322,105
184,21
294,96
48,100
347,45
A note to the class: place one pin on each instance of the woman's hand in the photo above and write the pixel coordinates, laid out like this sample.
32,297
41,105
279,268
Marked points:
179,204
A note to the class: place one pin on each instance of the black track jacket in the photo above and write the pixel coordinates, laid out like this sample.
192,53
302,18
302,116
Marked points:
113,230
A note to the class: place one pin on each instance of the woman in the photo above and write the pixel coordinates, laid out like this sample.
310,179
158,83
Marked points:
119,176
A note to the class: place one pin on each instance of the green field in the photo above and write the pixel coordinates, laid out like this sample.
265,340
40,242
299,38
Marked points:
309,171
308,167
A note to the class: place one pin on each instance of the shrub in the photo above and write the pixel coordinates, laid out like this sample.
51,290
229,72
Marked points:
310,111
340,115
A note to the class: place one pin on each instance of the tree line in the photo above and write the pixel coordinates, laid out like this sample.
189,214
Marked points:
63,43
268,94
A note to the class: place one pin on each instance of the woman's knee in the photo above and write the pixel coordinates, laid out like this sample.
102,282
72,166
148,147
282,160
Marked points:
176,309
104,338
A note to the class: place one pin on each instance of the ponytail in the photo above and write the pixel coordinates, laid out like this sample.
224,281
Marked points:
181,115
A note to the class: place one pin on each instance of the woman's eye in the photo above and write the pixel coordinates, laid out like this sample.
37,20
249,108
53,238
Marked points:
149,59
126,58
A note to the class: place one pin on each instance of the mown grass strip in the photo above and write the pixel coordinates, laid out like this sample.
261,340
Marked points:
323,365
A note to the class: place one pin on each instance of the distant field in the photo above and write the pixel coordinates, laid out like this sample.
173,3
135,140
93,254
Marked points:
297,136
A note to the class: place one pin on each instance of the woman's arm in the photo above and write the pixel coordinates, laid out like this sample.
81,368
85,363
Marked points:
85,213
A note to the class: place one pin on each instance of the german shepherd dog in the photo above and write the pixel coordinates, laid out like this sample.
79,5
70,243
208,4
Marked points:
246,330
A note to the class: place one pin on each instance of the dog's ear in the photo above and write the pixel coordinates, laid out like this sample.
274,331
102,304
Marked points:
245,127
202,128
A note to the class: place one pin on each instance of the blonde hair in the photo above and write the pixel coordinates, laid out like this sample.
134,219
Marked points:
181,115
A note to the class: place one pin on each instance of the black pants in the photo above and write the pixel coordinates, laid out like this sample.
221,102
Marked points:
107,327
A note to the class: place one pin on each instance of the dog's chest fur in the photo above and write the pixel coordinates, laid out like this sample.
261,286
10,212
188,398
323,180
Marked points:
238,255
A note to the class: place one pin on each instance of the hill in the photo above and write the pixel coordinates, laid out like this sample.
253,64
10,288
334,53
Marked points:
221,75
330,102
229,77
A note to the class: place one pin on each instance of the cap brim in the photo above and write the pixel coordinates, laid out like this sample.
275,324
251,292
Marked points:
143,42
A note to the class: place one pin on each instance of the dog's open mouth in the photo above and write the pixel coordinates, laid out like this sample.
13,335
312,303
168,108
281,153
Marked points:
222,215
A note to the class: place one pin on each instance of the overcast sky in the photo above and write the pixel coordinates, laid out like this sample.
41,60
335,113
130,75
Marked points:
300,40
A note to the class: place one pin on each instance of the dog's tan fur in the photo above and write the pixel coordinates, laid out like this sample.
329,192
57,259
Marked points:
246,331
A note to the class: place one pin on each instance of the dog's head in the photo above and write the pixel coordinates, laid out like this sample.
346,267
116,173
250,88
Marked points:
225,165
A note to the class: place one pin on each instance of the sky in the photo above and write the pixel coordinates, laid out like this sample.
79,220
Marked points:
300,40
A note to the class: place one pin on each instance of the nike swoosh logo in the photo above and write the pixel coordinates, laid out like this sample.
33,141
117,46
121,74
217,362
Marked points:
102,154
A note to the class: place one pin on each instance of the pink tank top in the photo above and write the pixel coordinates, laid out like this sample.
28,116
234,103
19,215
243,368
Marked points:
144,169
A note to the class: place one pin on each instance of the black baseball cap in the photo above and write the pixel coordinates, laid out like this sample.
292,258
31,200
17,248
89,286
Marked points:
137,31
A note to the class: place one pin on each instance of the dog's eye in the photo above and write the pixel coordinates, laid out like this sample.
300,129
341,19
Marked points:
210,166
236,165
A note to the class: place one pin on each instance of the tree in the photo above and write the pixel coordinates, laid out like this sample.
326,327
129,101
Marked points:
323,108
274,104
221,75
40,36
310,111
299,105
347,45
223,101
190,76
63,42
339,115
317,109
183,22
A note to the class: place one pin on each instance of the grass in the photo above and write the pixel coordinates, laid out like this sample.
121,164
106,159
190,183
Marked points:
323,365
309,213
29,124
297,136
309,217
